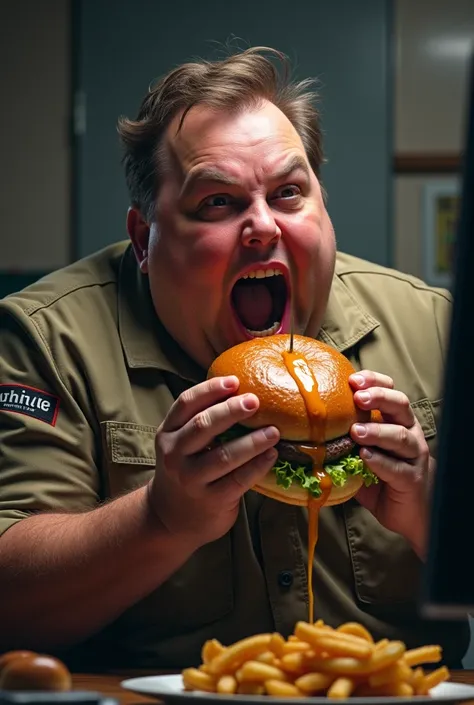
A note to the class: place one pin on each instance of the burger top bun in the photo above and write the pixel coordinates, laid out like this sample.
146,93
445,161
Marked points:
259,364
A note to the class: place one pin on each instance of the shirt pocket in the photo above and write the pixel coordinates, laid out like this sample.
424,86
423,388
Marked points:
201,590
129,455
386,570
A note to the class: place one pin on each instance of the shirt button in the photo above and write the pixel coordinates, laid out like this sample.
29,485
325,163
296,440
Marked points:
285,578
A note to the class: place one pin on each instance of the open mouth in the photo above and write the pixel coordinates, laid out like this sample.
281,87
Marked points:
259,299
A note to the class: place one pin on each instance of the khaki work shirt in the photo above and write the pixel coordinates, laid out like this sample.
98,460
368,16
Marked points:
98,374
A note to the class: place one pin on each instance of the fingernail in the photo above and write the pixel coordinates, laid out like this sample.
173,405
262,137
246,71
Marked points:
270,454
230,382
249,402
360,429
271,433
366,454
363,396
358,379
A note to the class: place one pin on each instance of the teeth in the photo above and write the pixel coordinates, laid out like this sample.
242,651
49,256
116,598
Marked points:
262,273
264,333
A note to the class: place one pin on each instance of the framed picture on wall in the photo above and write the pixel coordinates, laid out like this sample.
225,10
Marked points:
440,208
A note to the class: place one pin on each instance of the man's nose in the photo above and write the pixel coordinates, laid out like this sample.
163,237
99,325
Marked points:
260,228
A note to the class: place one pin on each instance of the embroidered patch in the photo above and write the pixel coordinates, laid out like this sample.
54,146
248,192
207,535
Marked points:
22,399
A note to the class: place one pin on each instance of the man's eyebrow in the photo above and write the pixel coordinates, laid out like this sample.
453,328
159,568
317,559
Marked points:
207,173
215,175
293,164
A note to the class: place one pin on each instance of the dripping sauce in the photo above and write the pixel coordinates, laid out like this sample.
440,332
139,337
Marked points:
307,384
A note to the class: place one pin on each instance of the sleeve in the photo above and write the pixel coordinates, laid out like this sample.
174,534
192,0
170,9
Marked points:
47,446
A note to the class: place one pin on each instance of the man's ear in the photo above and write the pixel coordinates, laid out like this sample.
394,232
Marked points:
139,233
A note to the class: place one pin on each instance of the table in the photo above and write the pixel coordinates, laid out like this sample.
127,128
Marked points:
110,685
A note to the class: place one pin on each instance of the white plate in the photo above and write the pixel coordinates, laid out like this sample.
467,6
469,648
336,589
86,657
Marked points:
170,689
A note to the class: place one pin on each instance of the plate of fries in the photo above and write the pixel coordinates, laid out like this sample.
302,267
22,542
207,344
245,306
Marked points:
315,663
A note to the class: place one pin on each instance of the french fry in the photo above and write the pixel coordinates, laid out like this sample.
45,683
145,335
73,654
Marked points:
356,629
339,666
194,679
282,690
417,678
341,647
405,690
294,647
277,644
386,655
292,663
312,635
211,649
397,672
311,683
430,680
227,685
341,688
257,672
235,655
267,657
423,654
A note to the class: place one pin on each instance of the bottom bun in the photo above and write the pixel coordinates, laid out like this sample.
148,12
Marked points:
300,497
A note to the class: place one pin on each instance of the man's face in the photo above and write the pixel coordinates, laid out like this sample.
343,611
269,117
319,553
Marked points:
241,232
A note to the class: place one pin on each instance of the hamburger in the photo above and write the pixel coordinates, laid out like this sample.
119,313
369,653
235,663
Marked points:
313,408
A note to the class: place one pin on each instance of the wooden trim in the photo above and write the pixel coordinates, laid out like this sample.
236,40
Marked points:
443,163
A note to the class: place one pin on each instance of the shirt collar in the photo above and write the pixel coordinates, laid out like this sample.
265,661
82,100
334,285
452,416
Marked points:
147,344
346,322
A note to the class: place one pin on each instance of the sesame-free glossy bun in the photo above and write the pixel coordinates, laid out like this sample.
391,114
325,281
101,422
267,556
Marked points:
35,672
10,656
260,367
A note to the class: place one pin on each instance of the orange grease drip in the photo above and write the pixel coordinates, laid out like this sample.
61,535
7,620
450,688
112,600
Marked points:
299,369
314,507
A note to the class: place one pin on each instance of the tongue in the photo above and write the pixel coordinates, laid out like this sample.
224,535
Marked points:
254,305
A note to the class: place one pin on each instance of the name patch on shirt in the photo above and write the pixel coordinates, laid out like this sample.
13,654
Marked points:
22,399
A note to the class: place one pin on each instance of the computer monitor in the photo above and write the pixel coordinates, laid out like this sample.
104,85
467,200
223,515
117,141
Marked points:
448,585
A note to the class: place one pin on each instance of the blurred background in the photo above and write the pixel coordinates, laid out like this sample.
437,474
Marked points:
393,82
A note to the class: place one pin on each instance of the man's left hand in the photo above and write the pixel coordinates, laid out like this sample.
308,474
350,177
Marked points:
396,451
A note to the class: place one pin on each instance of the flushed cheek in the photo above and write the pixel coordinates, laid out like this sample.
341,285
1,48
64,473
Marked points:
203,249
303,236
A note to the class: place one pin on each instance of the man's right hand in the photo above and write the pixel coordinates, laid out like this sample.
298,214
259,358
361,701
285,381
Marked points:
196,489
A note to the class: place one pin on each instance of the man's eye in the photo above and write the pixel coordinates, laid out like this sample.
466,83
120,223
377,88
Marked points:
287,192
218,201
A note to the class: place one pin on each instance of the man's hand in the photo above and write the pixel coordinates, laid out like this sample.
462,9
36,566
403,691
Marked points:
397,452
197,486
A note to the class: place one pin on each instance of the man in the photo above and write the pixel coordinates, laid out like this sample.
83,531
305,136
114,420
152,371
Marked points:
126,540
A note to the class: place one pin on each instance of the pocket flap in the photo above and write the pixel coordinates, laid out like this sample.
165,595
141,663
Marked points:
423,411
130,443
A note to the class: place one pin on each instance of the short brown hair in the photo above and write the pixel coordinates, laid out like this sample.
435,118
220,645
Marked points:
237,82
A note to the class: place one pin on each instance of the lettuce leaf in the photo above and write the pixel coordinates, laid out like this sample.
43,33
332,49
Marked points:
339,471
288,473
